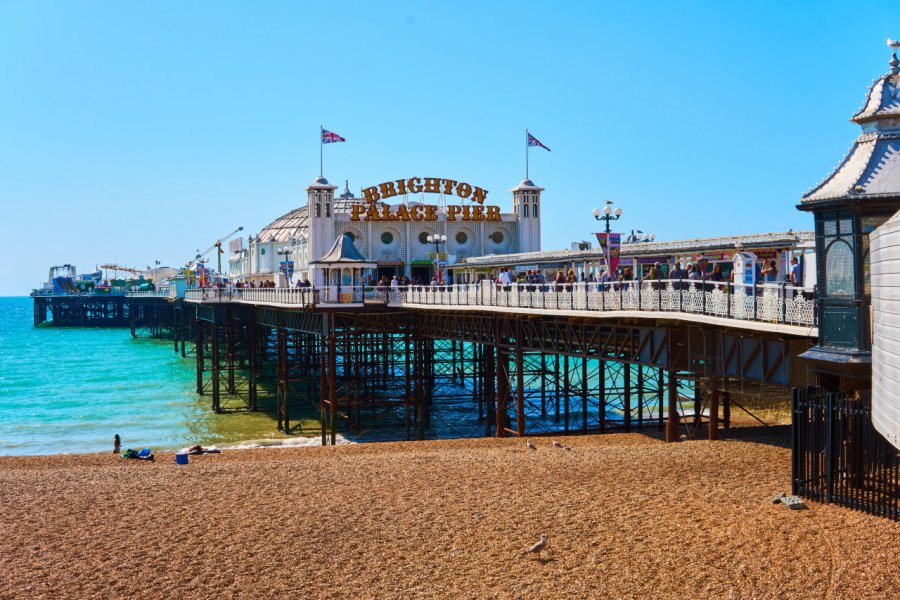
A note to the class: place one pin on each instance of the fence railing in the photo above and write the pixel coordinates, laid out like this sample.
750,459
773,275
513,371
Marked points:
289,296
772,303
162,292
838,456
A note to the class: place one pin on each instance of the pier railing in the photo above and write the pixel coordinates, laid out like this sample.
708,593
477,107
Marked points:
767,302
326,295
162,292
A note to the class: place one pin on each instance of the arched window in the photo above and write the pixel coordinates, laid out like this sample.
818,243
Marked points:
524,210
534,210
839,271
328,209
318,209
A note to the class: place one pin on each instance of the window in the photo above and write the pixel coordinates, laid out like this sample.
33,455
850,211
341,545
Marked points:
461,237
497,237
534,210
327,209
387,238
423,237
839,269
318,209
524,210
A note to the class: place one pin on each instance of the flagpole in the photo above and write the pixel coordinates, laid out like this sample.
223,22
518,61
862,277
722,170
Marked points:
321,145
526,153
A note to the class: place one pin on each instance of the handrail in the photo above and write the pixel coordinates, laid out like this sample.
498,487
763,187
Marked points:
778,303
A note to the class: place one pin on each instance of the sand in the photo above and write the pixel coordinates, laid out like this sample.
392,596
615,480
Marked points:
626,516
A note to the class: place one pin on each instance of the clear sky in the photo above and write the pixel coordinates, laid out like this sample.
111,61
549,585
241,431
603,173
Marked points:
141,131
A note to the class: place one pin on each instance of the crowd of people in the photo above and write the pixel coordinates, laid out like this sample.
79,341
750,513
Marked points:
677,275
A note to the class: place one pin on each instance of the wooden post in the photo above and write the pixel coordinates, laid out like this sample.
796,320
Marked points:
713,413
672,422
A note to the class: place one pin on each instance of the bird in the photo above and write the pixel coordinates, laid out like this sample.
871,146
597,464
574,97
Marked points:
536,548
567,448
557,444
530,446
892,43
609,201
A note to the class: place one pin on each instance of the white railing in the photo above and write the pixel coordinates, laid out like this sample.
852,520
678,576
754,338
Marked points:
767,302
162,292
326,295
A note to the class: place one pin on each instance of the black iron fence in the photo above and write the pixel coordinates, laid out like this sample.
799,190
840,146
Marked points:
839,457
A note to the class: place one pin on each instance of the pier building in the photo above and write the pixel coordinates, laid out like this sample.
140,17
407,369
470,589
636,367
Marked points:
390,225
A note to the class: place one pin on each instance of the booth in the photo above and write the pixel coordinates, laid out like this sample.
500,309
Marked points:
743,274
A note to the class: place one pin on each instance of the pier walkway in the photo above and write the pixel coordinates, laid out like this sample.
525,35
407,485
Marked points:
777,308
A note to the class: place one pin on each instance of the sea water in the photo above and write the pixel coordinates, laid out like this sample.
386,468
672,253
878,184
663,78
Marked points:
68,390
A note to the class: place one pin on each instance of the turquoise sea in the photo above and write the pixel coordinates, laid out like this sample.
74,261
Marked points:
70,390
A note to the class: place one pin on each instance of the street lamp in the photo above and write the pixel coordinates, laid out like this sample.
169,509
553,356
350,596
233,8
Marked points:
437,239
285,267
607,214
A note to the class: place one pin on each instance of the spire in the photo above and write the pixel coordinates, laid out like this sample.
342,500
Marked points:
347,195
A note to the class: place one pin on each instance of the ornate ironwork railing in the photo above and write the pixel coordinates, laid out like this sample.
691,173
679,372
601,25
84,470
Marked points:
771,303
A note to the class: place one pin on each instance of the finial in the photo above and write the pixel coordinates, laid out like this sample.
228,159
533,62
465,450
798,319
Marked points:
895,64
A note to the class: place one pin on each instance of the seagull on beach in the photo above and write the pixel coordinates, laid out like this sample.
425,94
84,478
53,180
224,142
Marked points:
567,448
530,446
892,43
557,444
536,548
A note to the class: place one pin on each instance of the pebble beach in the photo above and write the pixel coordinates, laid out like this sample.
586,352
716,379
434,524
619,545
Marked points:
626,517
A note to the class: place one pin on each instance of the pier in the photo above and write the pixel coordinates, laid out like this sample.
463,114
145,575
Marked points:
477,359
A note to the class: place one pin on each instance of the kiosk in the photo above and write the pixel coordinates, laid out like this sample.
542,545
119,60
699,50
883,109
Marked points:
744,273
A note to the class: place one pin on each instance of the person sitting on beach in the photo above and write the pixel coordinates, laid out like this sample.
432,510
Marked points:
117,444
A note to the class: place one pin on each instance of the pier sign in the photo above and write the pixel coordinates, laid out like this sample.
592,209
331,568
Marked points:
373,210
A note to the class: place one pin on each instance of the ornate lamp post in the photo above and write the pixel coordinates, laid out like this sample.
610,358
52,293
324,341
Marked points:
437,240
286,252
607,214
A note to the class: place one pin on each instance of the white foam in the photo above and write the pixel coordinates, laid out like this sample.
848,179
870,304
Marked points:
293,442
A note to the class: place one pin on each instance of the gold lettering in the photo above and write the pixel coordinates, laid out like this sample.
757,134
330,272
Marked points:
479,195
387,189
402,213
430,212
401,186
414,184
372,213
432,185
463,190
371,194
448,186
493,213
452,211
355,210
385,212
466,213
415,212
477,213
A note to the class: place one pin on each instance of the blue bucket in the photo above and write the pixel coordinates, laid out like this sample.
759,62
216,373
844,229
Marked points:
181,459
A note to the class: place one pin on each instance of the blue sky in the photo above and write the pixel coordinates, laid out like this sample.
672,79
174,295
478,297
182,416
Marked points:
136,131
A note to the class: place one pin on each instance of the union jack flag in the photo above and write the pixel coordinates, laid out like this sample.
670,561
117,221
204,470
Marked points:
533,141
330,137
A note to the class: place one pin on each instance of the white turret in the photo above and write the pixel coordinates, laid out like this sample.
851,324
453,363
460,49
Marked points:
320,195
527,206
